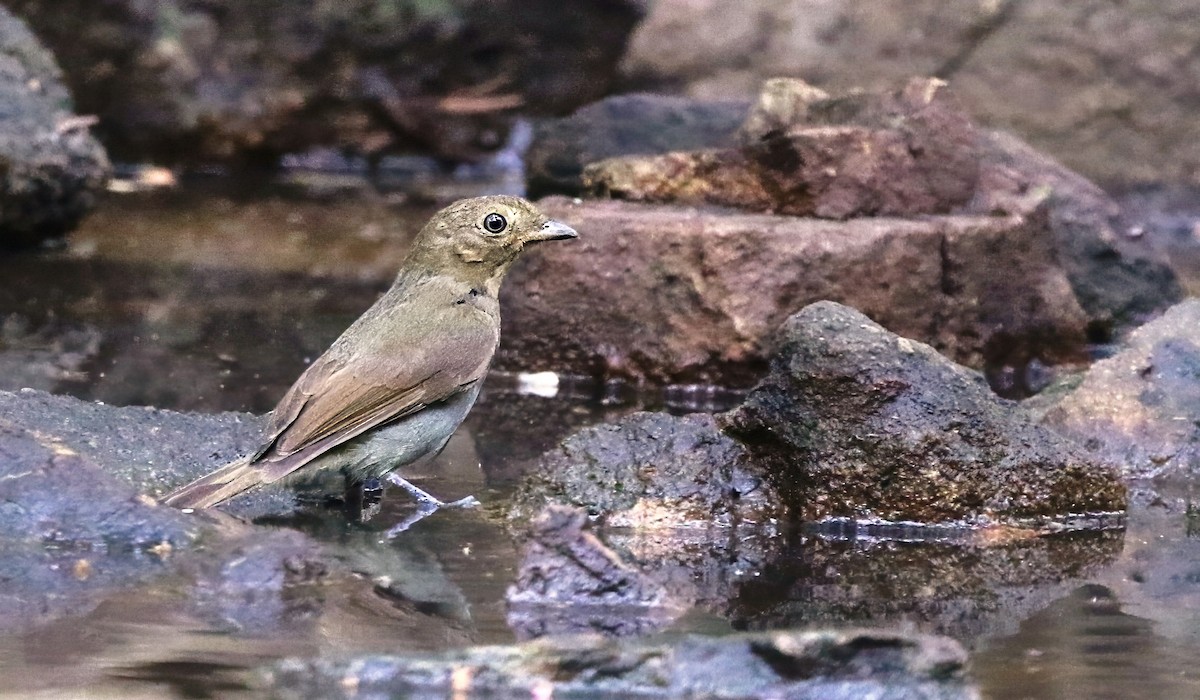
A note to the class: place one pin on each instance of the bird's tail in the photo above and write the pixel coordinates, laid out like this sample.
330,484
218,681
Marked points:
217,487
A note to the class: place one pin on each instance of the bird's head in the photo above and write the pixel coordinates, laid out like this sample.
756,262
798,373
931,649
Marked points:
479,238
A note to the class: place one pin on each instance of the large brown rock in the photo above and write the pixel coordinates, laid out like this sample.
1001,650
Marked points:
905,153
1108,88
679,294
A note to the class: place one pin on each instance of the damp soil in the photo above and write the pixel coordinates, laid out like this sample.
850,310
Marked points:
214,297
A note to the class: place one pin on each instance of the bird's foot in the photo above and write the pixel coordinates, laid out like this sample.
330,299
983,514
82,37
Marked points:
429,504
468,502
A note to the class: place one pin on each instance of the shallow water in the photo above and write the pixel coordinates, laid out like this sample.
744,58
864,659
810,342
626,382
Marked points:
203,300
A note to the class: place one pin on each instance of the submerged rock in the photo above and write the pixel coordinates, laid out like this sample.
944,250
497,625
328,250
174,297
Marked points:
903,154
53,168
823,664
683,521
79,528
667,293
856,423
1140,409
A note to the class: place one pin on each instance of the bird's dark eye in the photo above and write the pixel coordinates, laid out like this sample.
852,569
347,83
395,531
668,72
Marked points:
494,223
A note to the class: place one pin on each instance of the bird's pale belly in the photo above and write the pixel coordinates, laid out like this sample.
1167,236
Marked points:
410,440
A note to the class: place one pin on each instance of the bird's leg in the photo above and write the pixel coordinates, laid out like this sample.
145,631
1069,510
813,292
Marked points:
361,499
427,499
352,499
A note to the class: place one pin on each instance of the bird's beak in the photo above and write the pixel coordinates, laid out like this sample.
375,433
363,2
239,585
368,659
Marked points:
552,231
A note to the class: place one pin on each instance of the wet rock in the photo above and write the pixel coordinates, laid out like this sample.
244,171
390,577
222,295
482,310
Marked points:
570,581
1140,408
683,522
650,471
623,125
78,528
667,293
53,168
149,450
898,154
1107,88
201,81
49,493
851,663
856,423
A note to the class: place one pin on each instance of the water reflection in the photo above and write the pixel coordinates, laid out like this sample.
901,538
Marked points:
1086,646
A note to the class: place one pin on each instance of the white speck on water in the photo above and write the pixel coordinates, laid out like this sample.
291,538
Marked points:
544,384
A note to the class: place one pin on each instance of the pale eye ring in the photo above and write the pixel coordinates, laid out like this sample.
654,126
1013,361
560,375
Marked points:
494,223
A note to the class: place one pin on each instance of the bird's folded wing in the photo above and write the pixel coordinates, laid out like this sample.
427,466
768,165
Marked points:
344,394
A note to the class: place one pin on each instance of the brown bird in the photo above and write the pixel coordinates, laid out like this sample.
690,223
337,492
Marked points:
393,388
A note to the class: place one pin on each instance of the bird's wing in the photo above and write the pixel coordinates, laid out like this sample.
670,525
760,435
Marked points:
350,390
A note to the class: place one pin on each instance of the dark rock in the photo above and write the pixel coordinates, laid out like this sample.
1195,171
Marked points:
52,167
859,424
1168,220
569,581
684,522
1140,409
1118,278
1107,88
851,663
626,580
198,80
676,294
904,153
652,470
623,125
